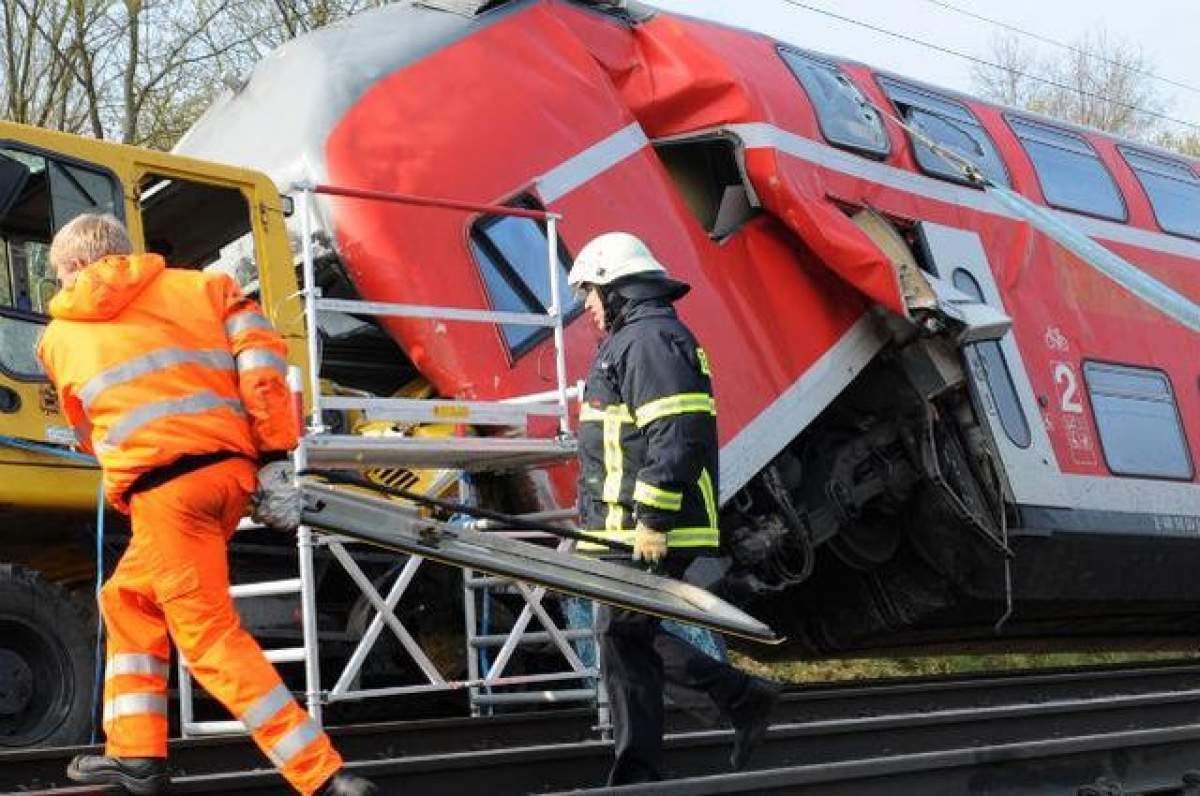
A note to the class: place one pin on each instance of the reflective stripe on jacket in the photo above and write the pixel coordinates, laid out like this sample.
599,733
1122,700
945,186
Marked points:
153,364
648,434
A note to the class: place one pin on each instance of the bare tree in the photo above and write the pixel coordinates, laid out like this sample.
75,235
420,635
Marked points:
1099,81
1184,143
1015,79
38,85
140,71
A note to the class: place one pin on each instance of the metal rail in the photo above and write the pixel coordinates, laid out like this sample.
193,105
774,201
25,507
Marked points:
1025,733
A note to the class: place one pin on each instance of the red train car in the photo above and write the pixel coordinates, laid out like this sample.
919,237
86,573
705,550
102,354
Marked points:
946,335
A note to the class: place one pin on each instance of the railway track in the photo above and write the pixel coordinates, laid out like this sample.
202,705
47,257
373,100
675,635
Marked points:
1011,733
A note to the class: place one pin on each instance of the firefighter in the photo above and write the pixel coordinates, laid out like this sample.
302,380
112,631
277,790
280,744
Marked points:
177,383
648,477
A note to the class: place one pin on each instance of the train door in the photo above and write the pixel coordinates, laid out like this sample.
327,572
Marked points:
998,378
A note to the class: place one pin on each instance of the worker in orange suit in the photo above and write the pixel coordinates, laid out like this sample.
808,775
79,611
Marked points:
177,383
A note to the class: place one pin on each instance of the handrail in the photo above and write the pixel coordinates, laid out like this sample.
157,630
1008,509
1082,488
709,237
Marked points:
426,201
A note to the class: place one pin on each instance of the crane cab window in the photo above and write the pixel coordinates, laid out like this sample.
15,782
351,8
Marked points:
1069,170
512,257
1173,189
39,194
845,117
1138,421
198,225
949,124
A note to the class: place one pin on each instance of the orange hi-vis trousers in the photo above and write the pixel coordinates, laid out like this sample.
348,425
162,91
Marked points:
174,578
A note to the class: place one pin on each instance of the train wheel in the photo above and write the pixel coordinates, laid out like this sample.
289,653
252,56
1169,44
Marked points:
46,663
868,543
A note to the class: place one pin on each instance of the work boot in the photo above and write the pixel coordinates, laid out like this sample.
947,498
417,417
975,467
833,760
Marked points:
753,719
144,776
345,784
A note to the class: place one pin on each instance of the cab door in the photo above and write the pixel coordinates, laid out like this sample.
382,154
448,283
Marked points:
40,191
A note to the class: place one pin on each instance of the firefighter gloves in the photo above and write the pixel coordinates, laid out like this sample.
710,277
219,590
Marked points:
276,503
649,545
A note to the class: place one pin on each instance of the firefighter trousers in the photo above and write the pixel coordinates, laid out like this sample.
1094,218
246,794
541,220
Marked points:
637,658
173,580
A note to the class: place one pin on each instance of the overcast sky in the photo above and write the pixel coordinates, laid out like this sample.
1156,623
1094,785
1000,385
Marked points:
1167,30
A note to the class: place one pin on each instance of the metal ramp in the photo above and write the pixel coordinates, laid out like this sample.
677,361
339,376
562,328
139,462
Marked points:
469,454
401,528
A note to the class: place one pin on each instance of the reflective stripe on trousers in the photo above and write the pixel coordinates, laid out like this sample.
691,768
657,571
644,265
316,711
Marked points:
174,575
272,706
132,663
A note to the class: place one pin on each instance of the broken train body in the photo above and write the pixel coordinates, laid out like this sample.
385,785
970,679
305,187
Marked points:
917,377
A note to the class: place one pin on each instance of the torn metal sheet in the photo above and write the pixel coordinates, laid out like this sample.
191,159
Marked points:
402,529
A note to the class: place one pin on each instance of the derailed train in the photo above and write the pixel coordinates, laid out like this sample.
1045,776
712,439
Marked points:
945,336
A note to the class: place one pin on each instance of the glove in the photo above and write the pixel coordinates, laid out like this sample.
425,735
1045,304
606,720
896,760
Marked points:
649,545
276,503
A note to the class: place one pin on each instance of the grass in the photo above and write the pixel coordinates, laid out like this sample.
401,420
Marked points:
873,668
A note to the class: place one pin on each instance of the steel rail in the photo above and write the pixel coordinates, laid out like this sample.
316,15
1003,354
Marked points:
819,726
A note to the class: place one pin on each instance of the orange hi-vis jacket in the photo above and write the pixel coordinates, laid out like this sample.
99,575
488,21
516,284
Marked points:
153,364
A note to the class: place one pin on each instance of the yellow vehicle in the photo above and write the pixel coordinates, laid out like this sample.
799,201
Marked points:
197,215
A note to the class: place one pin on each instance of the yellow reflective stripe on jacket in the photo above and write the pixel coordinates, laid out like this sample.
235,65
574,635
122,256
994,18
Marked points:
658,498
710,498
592,414
677,537
614,456
681,403
614,520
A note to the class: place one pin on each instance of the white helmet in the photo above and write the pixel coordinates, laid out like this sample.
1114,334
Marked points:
616,256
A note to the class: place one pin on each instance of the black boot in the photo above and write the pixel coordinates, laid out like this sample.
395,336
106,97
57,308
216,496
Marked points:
752,719
344,784
144,776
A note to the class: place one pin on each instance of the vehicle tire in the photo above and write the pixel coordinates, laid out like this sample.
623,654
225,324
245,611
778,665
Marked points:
47,659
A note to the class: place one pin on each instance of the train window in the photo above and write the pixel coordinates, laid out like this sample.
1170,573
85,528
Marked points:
843,113
38,196
951,125
1173,189
511,253
995,369
1070,171
709,179
1138,421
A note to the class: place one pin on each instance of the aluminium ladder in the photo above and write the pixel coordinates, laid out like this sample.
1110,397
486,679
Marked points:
319,449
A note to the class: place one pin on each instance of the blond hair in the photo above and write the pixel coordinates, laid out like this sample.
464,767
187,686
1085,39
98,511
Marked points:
88,238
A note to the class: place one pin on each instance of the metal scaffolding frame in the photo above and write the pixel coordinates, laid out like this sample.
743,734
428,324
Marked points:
319,448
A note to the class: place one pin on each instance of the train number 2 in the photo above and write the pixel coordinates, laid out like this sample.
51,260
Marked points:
1064,376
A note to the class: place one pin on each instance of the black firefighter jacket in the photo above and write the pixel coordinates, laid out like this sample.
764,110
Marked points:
648,433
